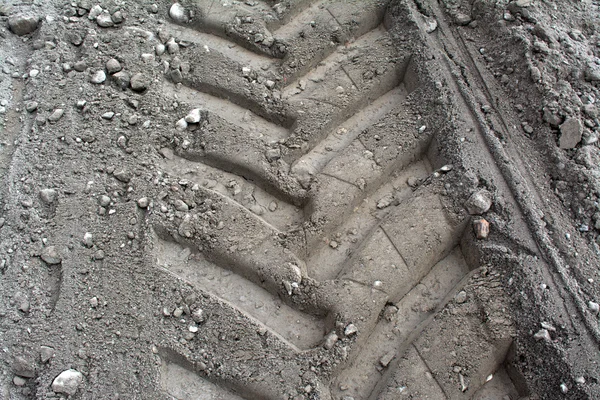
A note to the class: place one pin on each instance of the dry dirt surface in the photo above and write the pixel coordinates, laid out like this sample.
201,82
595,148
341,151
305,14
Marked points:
299,199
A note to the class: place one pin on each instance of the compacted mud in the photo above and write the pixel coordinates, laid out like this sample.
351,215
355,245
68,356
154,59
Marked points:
299,199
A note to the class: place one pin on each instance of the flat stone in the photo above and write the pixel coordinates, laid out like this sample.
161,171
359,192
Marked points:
67,382
50,255
56,115
22,24
24,367
570,133
122,175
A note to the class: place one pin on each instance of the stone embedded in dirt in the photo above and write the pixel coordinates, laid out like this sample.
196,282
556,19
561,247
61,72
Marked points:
117,17
542,334
56,115
108,115
479,202
98,77
159,49
481,228
46,353
31,106
139,82
461,297
594,307
104,201
330,341
198,316
48,196
273,155
24,367
385,201
113,66
22,24
193,116
67,382
122,175
431,24
50,255
179,14
387,358
571,132
143,202
99,255
592,73
172,48
94,302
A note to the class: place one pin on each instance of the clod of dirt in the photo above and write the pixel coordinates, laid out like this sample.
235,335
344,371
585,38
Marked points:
67,382
21,24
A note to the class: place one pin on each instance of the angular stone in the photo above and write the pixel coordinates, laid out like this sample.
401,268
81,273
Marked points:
50,255
139,82
21,24
479,202
67,382
113,66
48,196
570,133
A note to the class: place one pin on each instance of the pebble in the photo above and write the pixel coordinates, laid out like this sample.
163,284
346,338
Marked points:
160,49
387,358
172,47
143,202
98,77
94,302
50,255
108,115
48,196
24,367
330,341
88,239
113,66
180,205
350,330
104,201
118,17
479,202
104,21
139,82
46,353
481,228
95,12
99,255
571,132
193,116
178,13
592,73
18,381
564,388
122,175
593,306
56,115
122,79
31,106
542,334
67,382
22,24
461,297
181,125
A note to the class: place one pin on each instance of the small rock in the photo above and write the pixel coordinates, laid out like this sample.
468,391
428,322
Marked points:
178,312
31,106
592,73
385,201
67,382
113,66
143,202
50,255
88,239
330,341
542,334
104,201
564,388
571,132
479,202
180,205
46,353
108,115
104,21
172,47
139,82
431,25
21,24
24,367
350,330
481,228
273,154
387,358
122,79
80,66
193,116
48,196
94,302
178,13
99,255
198,316
117,17
95,12
461,297
98,77
18,381
389,312
122,175
181,125
160,49
594,307
56,115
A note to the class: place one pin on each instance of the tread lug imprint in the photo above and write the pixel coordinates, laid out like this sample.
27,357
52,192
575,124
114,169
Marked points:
385,258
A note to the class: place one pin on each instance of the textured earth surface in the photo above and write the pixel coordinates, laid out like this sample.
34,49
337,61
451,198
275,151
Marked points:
299,199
